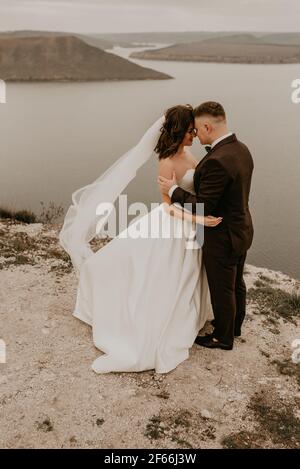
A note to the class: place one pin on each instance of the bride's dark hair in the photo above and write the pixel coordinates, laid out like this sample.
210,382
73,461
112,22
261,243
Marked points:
177,122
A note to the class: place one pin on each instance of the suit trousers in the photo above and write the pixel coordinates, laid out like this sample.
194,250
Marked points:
228,293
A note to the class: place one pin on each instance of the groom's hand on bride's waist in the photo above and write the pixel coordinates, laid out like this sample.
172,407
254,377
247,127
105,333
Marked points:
165,184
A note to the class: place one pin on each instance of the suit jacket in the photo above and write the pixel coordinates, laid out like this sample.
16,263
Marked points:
222,182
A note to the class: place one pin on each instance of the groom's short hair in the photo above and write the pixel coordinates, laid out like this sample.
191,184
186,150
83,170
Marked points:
210,108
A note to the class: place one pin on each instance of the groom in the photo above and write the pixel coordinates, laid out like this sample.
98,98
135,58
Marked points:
222,182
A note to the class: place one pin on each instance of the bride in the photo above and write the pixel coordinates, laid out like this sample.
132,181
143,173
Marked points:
146,298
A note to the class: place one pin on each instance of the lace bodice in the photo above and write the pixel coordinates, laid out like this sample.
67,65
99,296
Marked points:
187,181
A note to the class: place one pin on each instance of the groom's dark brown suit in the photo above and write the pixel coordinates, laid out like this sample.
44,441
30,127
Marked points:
222,182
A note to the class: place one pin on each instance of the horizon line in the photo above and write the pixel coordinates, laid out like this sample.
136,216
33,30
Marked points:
150,32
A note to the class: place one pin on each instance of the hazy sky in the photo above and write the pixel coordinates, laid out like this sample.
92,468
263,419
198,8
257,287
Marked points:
150,15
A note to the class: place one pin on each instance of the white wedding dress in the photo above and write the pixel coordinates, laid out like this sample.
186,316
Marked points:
146,299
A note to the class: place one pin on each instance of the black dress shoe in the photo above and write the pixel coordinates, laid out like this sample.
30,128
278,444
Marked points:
212,342
200,338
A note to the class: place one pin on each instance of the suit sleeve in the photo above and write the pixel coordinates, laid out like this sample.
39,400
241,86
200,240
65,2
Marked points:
214,179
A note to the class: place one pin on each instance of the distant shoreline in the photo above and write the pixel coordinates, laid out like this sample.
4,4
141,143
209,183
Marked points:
203,59
241,50
87,80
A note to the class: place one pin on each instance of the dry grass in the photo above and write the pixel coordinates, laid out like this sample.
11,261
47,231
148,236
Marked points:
275,424
288,368
19,248
276,302
50,213
242,440
184,427
276,420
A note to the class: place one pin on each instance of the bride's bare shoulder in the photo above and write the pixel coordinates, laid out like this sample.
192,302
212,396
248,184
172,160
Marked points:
191,158
166,167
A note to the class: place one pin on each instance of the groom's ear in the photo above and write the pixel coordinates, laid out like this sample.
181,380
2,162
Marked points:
208,126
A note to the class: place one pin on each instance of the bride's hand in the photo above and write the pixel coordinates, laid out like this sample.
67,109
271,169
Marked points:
209,221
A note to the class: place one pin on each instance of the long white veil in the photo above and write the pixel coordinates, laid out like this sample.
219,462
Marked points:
81,223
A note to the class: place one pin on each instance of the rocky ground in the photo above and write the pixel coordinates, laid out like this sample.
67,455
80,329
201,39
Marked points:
50,397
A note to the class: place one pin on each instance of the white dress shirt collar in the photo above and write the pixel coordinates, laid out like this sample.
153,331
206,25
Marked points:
220,139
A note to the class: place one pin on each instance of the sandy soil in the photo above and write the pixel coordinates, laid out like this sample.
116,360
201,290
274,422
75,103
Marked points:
51,398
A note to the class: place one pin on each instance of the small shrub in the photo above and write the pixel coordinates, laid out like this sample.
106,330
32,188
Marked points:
6,213
24,216
51,213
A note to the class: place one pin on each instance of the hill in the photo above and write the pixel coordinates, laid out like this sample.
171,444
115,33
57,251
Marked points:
236,48
89,39
64,58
